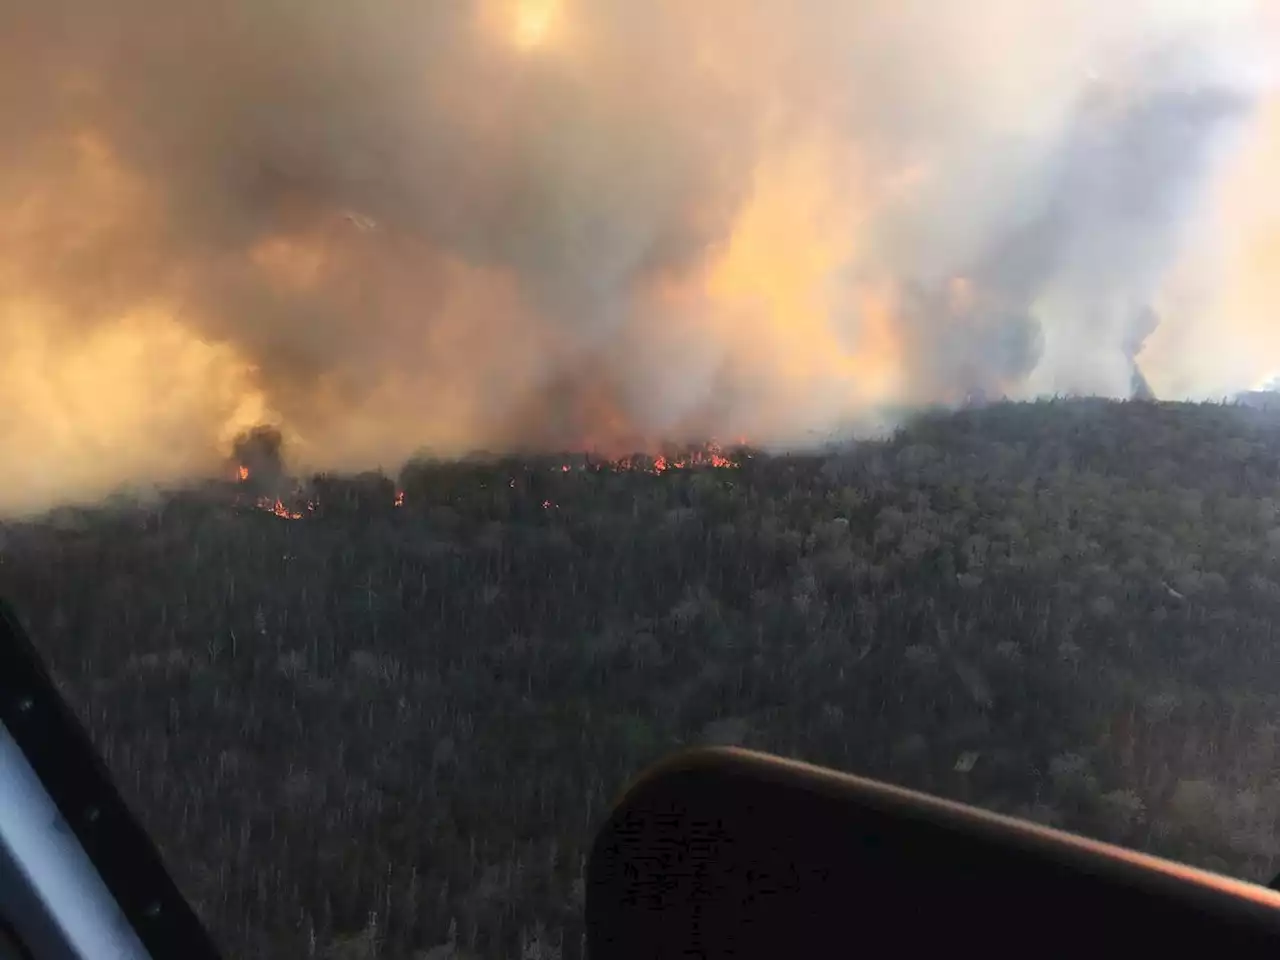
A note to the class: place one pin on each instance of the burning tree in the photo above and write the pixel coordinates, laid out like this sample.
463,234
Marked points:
257,458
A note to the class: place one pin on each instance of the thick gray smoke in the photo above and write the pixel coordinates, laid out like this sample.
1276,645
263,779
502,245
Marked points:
388,225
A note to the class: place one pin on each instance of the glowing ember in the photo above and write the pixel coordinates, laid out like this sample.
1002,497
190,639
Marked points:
712,455
277,507
300,505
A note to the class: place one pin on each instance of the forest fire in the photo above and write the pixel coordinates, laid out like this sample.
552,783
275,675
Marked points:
712,457
263,487
270,504
278,508
784,230
708,456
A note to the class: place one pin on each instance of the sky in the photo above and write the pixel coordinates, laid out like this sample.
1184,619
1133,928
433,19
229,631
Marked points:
389,226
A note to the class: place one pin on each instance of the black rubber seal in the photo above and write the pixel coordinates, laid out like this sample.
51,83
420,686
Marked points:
63,757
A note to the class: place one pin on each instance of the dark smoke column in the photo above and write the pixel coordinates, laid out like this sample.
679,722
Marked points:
258,457
1145,324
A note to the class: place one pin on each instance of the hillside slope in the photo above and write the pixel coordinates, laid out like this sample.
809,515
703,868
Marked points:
401,724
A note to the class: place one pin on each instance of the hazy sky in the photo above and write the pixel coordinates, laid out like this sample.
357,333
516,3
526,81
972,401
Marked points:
389,224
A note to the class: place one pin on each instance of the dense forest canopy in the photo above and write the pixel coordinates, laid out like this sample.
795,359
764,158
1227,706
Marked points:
386,718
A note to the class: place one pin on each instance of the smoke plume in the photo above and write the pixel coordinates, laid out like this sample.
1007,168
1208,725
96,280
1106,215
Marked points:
390,225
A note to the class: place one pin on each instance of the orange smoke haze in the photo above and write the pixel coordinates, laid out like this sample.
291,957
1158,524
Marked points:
1224,333
399,226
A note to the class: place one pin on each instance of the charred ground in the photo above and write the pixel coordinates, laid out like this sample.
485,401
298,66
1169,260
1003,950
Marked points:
393,723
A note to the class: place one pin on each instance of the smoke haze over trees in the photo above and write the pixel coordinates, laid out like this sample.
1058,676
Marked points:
393,225
255,240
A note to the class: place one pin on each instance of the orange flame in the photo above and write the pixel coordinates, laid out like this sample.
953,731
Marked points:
711,456
278,508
